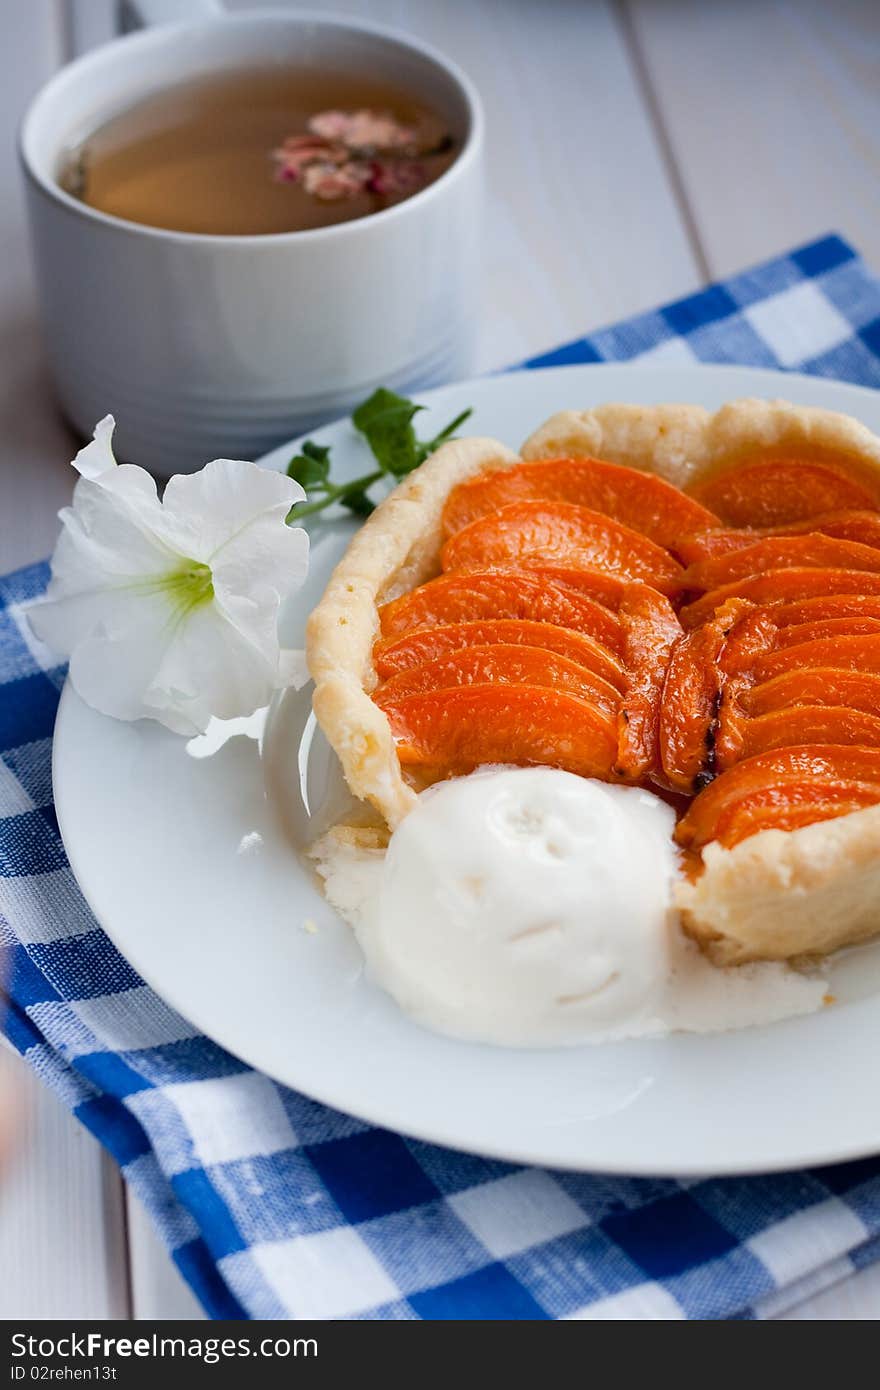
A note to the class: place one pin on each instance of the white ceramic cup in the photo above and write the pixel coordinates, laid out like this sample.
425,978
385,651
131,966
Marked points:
227,345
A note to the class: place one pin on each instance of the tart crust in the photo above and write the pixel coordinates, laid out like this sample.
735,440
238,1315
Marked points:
785,893
777,894
685,444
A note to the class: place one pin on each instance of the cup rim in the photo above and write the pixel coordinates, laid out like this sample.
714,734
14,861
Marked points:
160,34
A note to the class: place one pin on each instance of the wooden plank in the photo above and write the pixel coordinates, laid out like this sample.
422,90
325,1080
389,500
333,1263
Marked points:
158,1291
61,1213
773,112
89,22
35,447
62,1236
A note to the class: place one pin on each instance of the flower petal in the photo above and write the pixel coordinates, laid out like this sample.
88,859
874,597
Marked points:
264,554
257,560
104,545
105,533
210,670
97,463
143,663
253,574
97,457
113,665
292,668
204,511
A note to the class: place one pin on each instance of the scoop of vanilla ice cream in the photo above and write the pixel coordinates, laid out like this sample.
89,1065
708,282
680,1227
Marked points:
526,906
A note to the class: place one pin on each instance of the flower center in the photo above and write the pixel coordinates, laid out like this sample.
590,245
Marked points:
188,587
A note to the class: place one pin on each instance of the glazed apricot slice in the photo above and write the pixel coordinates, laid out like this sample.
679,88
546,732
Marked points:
810,724
863,527
716,540
783,586
752,636
500,665
774,492
843,653
826,607
641,501
396,654
798,806
706,669
650,629
562,532
823,685
462,729
808,699
596,584
454,598
783,552
831,627
777,774
691,695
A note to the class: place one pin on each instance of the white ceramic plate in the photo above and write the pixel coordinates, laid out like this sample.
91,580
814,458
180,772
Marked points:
190,865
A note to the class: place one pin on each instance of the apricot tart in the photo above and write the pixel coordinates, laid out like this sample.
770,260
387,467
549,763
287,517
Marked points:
659,596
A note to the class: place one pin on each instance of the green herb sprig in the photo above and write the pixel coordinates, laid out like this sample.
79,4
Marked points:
386,422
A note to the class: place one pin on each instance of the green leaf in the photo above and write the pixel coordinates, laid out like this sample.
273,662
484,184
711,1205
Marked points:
385,420
359,503
311,467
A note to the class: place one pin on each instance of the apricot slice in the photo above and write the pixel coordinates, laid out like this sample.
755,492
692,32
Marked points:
783,586
752,636
797,806
823,685
562,532
825,607
716,540
784,552
596,584
777,774
428,644
843,653
799,706
863,527
773,492
641,501
691,695
500,664
454,598
810,724
460,729
831,627
650,628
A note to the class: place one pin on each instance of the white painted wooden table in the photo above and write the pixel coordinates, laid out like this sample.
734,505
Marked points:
636,149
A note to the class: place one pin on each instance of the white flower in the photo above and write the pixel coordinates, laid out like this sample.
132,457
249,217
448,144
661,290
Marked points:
169,610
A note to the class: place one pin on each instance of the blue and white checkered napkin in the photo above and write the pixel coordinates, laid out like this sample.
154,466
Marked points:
273,1206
